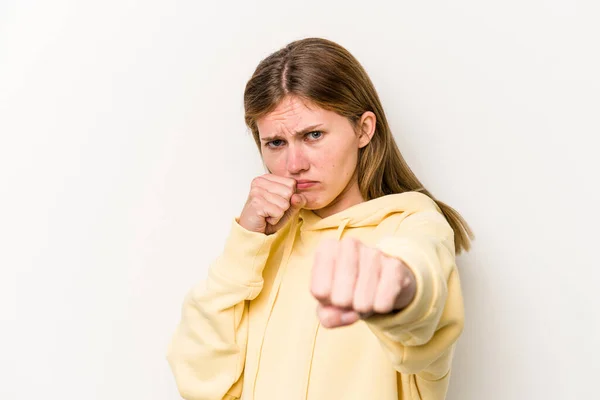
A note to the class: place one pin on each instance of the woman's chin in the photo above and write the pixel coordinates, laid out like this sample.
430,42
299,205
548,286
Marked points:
313,203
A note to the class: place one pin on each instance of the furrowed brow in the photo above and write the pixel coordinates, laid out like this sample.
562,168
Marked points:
298,133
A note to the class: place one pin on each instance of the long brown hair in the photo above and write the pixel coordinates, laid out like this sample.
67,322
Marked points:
327,75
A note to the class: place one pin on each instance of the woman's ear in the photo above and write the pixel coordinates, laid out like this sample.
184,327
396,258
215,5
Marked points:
366,128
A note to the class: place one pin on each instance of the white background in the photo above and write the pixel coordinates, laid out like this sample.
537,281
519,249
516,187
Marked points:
123,158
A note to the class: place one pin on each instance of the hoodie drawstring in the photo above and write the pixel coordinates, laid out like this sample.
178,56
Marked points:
287,250
338,235
341,228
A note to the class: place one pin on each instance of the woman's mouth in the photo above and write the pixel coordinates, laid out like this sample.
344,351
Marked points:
305,184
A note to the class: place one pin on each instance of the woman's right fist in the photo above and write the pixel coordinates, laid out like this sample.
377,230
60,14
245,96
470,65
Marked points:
271,203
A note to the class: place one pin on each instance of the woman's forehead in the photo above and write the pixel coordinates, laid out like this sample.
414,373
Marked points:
291,116
293,107
295,113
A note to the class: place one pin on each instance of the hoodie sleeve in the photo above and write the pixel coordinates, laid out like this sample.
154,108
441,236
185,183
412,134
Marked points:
420,339
208,349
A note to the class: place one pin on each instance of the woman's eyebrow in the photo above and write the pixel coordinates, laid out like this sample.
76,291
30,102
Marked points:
298,133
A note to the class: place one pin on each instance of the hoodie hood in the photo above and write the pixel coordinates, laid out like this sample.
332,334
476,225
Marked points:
368,213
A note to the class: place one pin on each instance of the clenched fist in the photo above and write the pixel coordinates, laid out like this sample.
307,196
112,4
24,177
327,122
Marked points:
270,204
352,281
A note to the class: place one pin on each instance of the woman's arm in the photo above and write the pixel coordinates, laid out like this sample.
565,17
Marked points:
411,269
207,350
420,338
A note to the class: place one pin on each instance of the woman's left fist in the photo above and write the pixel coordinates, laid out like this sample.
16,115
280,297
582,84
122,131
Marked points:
352,281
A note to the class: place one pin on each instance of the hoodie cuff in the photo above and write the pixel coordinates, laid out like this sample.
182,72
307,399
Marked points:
244,256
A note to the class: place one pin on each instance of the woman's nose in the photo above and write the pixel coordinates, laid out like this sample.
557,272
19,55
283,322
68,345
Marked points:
297,160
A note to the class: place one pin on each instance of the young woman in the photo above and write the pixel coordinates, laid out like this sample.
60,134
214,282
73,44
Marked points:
338,279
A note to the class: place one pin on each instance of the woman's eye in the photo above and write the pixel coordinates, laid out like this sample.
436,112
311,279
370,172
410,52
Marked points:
315,134
274,143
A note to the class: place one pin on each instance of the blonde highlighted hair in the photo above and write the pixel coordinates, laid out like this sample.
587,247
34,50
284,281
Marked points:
327,75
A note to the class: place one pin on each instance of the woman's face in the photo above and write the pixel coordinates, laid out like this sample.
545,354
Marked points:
316,145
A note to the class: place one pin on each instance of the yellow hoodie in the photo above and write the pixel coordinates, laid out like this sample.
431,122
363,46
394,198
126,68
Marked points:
250,329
